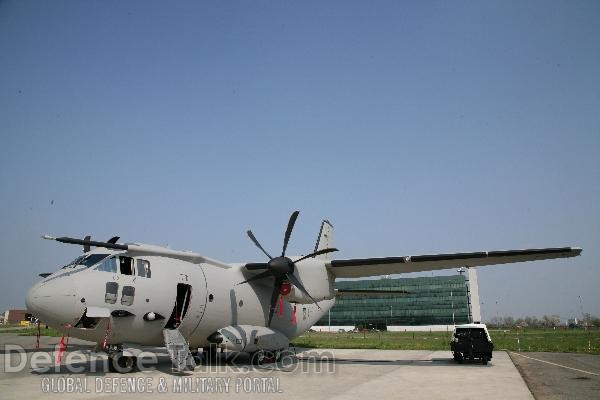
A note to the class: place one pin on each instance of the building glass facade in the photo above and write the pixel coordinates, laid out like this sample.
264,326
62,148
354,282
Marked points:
440,300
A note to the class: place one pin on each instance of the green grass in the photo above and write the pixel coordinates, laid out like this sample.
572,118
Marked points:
9,326
563,340
560,340
32,331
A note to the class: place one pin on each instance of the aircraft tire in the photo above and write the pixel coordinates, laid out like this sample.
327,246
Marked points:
121,363
262,357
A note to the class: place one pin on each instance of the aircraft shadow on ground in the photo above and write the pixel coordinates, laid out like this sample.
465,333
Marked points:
46,349
444,362
232,362
99,366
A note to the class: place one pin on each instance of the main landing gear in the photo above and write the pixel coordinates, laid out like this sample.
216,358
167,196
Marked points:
263,357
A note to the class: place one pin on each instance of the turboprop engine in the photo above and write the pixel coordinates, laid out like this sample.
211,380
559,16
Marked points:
289,280
313,275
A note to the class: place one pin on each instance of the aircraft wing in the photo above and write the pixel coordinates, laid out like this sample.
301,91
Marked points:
362,267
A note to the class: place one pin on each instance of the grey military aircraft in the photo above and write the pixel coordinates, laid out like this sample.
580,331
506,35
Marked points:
128,296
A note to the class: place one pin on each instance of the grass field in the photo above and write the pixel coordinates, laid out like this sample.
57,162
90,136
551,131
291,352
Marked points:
561,340
32,331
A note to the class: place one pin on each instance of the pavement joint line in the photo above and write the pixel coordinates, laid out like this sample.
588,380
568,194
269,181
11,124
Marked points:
558,365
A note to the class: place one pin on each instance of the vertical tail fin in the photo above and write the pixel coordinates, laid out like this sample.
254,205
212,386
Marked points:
325,239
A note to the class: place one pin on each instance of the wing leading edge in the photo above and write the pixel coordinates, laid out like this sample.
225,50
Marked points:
362,267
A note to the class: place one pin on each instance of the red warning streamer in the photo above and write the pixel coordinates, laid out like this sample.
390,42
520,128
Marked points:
105,341
63,345
68,337
37,336
280,306
61,349
294,316
177,319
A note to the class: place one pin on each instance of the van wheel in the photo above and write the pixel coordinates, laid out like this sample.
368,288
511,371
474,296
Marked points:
459,358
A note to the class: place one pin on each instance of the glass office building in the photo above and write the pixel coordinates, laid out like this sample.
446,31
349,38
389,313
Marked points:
439,300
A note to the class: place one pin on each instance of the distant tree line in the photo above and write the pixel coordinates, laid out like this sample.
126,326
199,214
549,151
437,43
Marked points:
547,321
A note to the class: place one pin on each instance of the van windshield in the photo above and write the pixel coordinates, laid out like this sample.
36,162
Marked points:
470,332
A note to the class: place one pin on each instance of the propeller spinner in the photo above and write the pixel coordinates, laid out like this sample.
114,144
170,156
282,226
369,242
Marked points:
281,268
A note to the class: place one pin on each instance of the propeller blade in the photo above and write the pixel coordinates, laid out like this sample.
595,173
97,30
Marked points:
297,283
317,253
274,297
288,231
255,266
257,277
251,236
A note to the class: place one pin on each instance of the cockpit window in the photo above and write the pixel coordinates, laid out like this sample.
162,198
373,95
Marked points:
143,268
74,263
108,265
93,259
87,260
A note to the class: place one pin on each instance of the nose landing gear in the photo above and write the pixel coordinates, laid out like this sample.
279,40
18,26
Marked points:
119,362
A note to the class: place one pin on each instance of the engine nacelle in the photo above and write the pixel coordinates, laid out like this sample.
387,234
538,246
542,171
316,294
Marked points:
249,338
315,278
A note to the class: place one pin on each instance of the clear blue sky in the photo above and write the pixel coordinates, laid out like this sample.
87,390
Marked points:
415,127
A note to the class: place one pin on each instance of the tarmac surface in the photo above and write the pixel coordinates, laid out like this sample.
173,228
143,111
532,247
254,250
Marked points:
312,374
560,375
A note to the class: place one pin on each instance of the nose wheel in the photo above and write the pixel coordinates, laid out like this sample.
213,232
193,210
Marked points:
119,362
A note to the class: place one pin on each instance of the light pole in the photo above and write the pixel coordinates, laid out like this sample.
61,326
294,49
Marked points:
496,309
583,318
452,301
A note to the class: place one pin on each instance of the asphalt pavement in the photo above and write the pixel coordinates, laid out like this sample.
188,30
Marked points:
560,375
311,374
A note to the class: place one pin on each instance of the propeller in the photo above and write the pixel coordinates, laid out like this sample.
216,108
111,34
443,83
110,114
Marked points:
281,268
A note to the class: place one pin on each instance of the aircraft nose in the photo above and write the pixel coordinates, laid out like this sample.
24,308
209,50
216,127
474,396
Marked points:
55,301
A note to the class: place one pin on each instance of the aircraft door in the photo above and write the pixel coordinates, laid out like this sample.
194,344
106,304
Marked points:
190,301
127,278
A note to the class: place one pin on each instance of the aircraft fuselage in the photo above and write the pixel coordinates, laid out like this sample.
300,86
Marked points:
146,294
